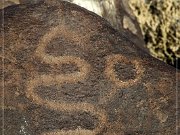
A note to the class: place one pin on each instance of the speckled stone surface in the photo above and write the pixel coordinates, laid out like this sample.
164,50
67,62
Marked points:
116,12
66,71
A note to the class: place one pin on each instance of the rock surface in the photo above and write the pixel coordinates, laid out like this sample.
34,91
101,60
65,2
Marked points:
66,71
116,12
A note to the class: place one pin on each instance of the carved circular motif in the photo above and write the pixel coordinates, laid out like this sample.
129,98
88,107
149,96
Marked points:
74,77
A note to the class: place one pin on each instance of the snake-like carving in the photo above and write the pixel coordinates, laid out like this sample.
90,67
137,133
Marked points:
84,69
47,80
112,76
68,72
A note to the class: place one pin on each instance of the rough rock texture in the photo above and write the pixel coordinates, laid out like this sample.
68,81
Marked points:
66,71
159,21
116,12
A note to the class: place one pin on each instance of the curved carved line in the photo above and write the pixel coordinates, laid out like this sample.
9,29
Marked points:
84,68
110,74
70,132
70,107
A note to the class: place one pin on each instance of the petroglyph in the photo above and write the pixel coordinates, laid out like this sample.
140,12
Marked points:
68,72
47,80
59,106
84,69
111,60
78,131
67,33
110,72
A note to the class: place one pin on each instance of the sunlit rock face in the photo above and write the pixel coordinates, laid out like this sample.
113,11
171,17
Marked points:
92,5
6,3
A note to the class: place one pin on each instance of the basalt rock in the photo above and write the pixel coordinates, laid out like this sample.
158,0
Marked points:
66,71
116,12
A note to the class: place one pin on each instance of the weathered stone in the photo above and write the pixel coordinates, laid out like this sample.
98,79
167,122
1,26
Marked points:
116,12
66,71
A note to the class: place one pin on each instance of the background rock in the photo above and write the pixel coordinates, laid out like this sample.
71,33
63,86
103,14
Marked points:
6,3
160,23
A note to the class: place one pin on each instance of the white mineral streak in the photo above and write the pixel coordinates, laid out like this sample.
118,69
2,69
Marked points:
105,7
91,5
128,24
